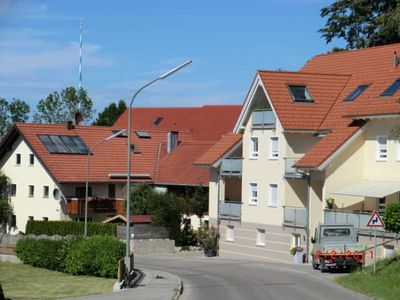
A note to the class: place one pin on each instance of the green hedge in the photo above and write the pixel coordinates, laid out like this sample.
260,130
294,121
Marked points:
69,228
96,255
43,253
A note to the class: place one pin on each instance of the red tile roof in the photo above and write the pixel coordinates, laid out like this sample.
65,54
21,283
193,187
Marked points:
219,149
152,160
178,166
373,66
207,123
324,89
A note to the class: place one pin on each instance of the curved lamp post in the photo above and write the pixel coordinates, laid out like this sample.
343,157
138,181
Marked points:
128,180
87,171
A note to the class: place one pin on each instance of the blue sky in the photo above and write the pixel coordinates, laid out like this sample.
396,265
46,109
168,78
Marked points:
127,43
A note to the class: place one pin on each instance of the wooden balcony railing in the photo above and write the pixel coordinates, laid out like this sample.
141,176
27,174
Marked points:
76,206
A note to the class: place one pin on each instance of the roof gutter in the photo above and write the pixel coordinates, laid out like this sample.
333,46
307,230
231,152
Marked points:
374,116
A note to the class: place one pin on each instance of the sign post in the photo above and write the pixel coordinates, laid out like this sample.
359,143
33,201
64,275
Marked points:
375,221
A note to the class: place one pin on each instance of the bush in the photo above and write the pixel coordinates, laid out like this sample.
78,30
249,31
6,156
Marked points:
208,238
97,255
40,253
69,228
391,217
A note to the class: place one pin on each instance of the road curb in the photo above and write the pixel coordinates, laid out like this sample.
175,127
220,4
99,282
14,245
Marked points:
179,290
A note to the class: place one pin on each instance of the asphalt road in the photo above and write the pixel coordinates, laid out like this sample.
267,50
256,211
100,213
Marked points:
227,278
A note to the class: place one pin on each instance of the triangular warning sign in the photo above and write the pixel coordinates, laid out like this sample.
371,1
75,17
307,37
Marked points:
376,220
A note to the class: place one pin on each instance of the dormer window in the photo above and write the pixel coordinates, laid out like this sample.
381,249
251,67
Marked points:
356,92
392,88
300,93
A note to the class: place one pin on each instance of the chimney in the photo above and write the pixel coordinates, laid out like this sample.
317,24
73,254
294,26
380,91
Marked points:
78,118
70,125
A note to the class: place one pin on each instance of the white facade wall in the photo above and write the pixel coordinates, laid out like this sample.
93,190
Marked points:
24,175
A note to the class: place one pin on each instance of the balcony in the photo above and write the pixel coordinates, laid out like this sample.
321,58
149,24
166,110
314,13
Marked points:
230,210
358,219
292,172
76,206
294,217
264,119
231,167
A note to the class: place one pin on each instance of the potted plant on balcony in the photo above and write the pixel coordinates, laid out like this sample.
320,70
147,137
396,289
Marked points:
208,240
330,203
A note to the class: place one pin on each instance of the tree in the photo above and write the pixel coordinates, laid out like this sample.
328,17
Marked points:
19,110
392,217
110,114
362,23
4,116
62,107
6,209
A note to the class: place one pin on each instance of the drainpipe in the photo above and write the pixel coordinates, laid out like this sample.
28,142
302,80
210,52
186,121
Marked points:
308,176
218,203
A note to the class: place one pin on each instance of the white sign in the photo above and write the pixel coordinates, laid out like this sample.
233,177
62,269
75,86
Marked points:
376,220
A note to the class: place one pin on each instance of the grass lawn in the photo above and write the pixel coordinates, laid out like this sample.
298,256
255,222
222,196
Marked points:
384,285
25,282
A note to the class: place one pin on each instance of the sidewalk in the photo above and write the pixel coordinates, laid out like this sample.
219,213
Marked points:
155,285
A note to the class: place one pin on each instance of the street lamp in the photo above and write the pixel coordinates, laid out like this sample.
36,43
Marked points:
128,180
87,171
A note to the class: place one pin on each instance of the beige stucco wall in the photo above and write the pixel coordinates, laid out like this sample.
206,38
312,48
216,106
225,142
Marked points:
263,171
25,175
213,193
381,170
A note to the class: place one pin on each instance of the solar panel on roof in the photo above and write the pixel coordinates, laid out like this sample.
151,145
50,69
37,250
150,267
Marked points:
392,88
143,134
64,144
356,92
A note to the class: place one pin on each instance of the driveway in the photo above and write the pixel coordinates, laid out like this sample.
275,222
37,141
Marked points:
229,278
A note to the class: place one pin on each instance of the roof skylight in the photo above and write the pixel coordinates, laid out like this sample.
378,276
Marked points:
300,93
392,88
157,121
143,134
356,92
64,144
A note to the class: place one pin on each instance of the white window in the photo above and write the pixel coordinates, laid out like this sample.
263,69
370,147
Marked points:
296,240
381,148
253,194
260,237
45,191
274,151
31,159
398,150
273,195
230,233
253,148
31,192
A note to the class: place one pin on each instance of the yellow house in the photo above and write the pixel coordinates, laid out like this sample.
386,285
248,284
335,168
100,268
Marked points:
324,132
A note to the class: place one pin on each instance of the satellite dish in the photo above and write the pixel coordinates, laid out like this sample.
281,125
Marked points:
56,194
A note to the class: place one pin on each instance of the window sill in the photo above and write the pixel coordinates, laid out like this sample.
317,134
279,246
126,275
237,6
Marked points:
231,241
273,158
253,203
381,160
253,158
273,206
260,245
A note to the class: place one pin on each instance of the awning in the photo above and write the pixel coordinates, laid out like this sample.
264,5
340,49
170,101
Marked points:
371,188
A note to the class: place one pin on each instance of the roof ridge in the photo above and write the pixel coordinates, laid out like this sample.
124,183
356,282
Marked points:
304,73
347,51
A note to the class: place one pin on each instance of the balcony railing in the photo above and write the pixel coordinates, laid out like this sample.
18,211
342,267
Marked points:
76,206
230,210
358,219
231,167
263,119
294,216
292,172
